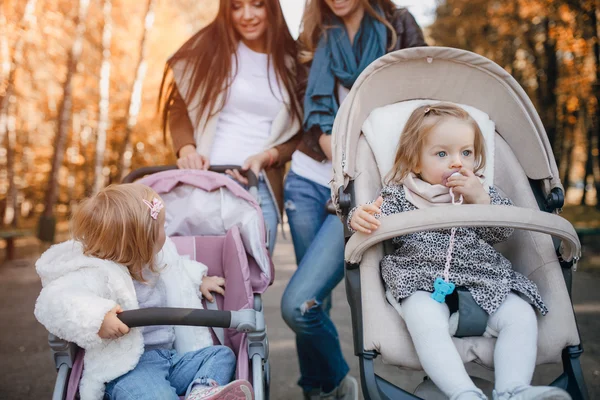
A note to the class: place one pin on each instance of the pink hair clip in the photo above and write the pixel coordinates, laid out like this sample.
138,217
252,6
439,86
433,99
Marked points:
154,207
427,110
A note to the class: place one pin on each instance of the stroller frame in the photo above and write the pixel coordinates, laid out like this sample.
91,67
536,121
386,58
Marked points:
385,84
377,388
67,356
249,321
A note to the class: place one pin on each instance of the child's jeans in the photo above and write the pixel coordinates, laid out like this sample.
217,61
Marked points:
164,374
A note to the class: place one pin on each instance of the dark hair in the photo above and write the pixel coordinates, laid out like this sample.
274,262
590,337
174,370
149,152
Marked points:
208,62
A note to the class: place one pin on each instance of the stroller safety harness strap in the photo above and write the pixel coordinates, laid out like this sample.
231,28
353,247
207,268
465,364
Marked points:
219,333
472,319
466,215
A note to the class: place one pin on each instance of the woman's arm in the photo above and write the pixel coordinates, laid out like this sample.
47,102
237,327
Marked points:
180,125
325,143
311,139
182,135
409,32
283,152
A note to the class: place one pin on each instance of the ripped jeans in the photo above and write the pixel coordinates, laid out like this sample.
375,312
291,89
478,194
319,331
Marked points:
319,246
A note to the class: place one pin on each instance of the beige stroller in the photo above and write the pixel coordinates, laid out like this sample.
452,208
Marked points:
520,164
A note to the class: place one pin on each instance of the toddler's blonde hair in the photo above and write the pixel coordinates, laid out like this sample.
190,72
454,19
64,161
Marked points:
116,225
418,126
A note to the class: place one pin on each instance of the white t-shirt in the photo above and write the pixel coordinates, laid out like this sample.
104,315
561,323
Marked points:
309,168
244,124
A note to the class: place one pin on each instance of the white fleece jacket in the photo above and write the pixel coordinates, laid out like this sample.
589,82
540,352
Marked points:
79,290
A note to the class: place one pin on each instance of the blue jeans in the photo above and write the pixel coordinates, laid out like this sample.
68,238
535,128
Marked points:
164,374
319,246
267,205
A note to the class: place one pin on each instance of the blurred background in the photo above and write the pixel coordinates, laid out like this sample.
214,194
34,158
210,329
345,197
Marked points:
79,82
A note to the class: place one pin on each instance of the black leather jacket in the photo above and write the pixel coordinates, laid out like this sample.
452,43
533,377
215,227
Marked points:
409,35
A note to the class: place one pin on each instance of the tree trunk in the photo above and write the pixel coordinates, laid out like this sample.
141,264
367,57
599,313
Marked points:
596,118
135,100
64,112
11,211
87,133
104,98
17,58
588,165
8,105
4,50
548,103
73,154
568,148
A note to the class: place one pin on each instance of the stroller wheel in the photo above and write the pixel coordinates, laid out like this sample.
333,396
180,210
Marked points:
267,376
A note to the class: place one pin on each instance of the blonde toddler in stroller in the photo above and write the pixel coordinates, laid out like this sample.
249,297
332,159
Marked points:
543,248
440,155
120,259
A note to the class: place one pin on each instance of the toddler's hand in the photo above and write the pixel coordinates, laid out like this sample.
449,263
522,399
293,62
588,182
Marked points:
468,185
112,327
363,219
212,284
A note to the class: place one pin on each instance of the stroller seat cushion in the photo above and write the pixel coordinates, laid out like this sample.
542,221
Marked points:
383,128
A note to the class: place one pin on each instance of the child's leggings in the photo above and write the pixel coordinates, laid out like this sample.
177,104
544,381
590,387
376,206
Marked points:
514,354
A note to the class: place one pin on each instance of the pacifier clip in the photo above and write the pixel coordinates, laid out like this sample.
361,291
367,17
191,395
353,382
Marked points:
442,286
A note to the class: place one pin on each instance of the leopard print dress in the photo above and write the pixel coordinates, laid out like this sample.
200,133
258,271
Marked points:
420,257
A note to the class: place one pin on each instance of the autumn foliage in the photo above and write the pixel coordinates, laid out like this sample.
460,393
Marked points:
551,48
79,81
40,53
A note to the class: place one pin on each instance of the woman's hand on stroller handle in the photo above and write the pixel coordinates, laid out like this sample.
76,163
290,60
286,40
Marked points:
255,163
364,220
212,284
190,159
112,327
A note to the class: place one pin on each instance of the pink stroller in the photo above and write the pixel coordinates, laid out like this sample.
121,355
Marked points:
213,220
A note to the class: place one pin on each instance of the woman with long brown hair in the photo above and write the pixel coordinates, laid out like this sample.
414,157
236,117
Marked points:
229,97
339,39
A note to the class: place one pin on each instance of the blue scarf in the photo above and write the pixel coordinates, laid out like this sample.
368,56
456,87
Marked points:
335,58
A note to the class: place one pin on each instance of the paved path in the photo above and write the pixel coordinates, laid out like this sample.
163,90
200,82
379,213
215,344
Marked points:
26,369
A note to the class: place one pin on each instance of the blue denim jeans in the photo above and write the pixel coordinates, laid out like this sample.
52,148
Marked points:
319,246
164,374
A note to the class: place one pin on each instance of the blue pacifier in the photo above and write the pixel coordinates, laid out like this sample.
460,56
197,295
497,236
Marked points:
441,289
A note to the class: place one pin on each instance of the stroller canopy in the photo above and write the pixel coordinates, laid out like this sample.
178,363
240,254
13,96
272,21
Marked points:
443,74
207,203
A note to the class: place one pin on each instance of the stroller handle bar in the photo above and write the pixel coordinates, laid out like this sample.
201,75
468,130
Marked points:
470,215
242,321
141,172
